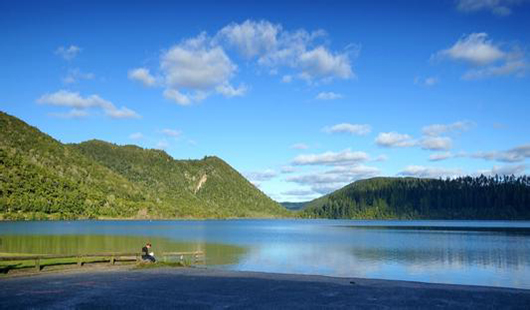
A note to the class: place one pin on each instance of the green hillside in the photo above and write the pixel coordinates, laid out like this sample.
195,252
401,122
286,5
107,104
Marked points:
412,198
41,178
207,187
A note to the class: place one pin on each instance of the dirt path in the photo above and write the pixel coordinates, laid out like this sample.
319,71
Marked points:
207,288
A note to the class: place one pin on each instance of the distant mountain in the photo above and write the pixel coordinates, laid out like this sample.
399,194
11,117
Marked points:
294,205
481,197
41,178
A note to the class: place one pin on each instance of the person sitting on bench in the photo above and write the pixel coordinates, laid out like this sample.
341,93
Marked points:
146,255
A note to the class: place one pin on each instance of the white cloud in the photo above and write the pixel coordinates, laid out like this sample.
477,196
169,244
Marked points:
430,172
356,171
319,178
74,113
261,176
436,143
394,139
516,154
431,139
331,158
251,38
504,170
71,99
142,75
290,45
496,7
200,66
287,78
123,112
274,47
327,181
328,96
74,75
229,91
136,136
171,132
488,59
287,169
440,156
197,66
68,53
176,96
354,129
428,81
321,63
517,67
77,102
475,49
300,146
438,129
382,157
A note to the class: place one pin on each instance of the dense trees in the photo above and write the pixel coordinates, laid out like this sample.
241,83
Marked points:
42,178
200,188
498,197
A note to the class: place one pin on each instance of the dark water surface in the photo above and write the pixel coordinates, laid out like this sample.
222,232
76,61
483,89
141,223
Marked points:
492,253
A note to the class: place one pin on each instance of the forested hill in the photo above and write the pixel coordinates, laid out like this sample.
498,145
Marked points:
506,197
41,178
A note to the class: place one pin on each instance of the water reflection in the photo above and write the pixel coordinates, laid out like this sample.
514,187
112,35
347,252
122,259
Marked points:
480,253
303,259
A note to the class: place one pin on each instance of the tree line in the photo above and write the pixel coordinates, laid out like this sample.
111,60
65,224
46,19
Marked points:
482,197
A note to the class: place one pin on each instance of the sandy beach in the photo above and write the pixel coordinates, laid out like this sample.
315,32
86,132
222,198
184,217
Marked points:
208,288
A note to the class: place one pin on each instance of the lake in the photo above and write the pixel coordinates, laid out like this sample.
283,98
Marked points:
493,253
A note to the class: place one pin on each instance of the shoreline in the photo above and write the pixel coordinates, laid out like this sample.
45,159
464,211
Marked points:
125,219
205,287
108,219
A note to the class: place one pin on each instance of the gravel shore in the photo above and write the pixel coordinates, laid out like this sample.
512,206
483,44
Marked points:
199,288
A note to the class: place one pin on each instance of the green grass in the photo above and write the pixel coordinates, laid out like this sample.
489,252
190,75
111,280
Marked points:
17,254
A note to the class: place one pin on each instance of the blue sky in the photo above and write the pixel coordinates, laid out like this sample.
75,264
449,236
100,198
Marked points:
302,98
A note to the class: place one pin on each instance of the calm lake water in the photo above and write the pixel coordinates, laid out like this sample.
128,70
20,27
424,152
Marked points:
462,252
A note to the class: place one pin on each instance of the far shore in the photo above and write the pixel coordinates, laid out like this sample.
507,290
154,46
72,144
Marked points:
152,219
211,288
125,219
